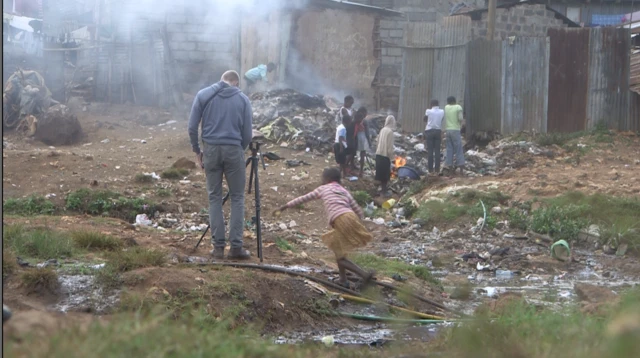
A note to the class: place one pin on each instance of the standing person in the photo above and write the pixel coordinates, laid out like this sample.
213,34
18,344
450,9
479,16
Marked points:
384,153
258,74
453,123
226,117
361,132
345,217
352,144
433,134
340,145
345,110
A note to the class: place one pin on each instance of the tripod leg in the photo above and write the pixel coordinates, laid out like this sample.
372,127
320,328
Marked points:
201,237
250,160
254,167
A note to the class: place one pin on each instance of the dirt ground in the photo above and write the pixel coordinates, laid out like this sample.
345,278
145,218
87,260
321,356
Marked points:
123,142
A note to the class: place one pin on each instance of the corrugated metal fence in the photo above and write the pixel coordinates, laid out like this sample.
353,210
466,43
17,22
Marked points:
567,82
434,67
608,100
525,84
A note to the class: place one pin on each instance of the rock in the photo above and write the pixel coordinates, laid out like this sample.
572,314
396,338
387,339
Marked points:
282,226
496,210
59,127
292,224
184,163
622,250
594,294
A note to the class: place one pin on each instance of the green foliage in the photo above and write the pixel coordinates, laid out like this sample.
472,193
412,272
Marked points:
40,243
29,206
361,197
560,222
108,203
284,245
164,193
92,240
40,278
518,219
174,173
391,267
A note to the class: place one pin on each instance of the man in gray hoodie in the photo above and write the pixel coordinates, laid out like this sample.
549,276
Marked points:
226,117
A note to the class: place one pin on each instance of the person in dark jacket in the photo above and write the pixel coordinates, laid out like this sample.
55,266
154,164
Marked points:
226,117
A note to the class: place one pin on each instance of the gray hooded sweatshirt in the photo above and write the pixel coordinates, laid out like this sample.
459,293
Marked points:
226,120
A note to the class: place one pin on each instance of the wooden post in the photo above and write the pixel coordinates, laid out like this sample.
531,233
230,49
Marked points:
492,20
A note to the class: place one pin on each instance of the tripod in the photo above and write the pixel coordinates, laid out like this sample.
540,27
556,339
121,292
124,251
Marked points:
253,160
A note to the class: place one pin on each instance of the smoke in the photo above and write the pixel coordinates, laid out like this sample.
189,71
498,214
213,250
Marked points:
203,35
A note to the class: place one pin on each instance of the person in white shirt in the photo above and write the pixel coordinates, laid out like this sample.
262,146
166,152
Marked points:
340,147
433,135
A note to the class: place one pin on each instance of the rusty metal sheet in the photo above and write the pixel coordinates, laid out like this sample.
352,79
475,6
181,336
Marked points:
608,100
634,78
434,67
568,79
634,112
415,88
265,39
450,62
525,83
484,86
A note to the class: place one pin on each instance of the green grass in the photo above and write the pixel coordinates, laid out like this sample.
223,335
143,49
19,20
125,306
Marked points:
93,240
127,260
284,245
40,278
158,334
142,178
435,212
523,330
164,193
361,197
29,206
390,267
174,173
39,243
9,263
107,203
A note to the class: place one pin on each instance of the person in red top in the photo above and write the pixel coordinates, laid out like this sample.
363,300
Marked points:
344,216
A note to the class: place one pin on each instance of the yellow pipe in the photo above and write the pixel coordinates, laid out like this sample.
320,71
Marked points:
366,300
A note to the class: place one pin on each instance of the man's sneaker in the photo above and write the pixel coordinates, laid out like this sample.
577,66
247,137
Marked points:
217,253
239,254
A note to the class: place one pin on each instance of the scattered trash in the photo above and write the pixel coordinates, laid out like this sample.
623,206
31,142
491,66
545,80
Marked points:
152,175
283,226
143,220
378,221
272,156
295,163
105,141
503,274
387,205
353,178
398,277
560,250
185,181
328,341
49,196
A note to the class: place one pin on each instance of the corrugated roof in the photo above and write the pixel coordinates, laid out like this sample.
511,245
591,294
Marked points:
558,14
354,5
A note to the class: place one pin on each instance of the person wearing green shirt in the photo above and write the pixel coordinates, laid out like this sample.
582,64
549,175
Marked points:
452,125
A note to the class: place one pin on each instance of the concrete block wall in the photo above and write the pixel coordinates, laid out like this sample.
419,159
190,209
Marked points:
521,20
389,75
201,53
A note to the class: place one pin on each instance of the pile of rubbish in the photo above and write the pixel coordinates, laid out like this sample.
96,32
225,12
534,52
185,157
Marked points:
179,222
494,159
293,119
27,108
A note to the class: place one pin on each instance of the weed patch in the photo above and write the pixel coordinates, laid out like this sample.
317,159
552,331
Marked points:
143,179
284,245
174,173
361,197
108,203
9,262
526,331
391,267
40,243
135,258
92,240
40,278
29,206
164,193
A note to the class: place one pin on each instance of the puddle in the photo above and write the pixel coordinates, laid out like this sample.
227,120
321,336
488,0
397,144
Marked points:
376,335
80,293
